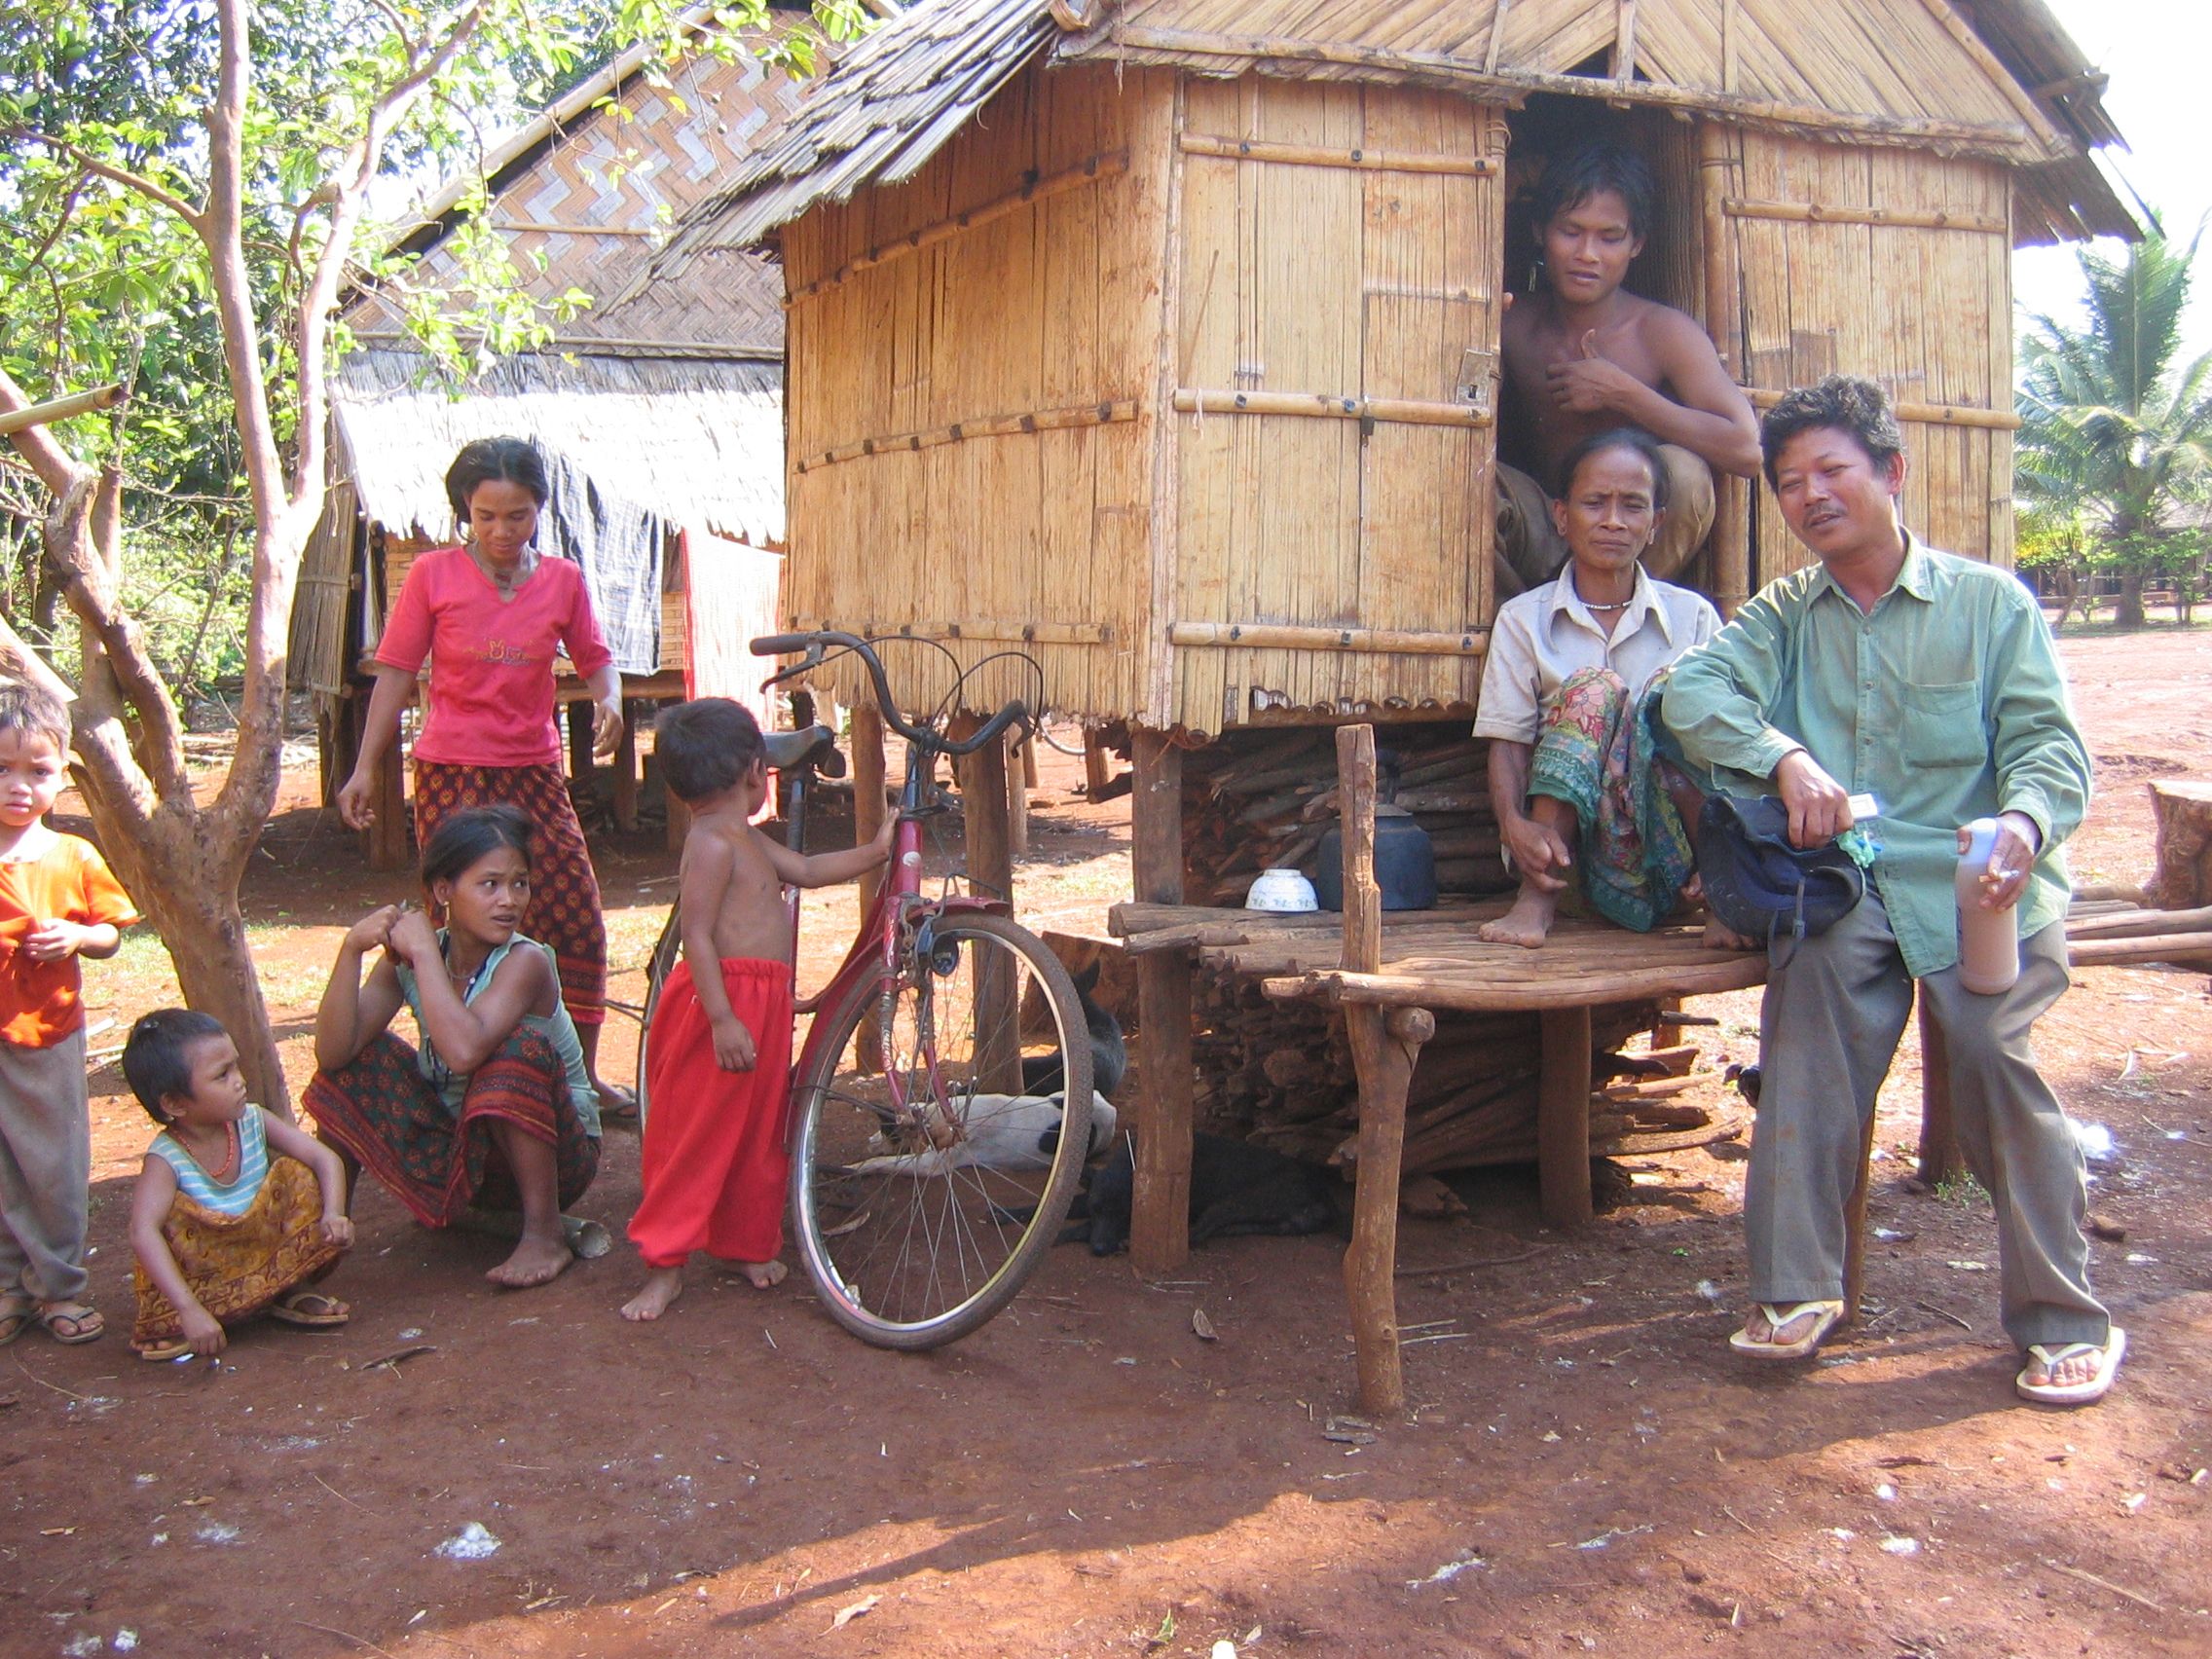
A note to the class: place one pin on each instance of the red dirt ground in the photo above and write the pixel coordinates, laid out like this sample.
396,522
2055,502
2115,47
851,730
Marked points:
1586,1468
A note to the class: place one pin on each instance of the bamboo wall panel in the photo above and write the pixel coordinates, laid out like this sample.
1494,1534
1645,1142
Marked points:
1047,307
1926,311
1357,282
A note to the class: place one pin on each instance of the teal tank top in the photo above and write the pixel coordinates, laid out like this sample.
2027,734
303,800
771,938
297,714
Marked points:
557,1029
233,1197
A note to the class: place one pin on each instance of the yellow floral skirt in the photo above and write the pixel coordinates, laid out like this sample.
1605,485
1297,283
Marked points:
238,1265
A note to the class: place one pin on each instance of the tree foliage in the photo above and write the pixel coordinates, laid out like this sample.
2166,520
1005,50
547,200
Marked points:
186,188
2115,439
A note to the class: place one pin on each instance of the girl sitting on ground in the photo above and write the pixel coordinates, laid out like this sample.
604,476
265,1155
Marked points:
1575,778
236,1212
497,1108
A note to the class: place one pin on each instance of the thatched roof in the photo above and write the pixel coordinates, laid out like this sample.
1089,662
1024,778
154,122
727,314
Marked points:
586,193
1995,77
696,441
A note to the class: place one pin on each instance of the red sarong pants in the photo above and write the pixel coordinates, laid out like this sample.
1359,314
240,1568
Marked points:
715,1161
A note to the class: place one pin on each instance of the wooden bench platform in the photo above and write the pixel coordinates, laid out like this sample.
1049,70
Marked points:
1387,973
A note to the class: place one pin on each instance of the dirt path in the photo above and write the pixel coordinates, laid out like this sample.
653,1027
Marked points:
1585,1469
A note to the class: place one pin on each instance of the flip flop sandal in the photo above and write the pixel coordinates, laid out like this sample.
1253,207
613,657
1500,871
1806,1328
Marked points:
16,1319
161,1353
2050,1355
84,1325
617,1105
294,1309
1827,1316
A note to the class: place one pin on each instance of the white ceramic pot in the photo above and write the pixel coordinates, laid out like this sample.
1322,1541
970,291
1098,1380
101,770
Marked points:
1281,890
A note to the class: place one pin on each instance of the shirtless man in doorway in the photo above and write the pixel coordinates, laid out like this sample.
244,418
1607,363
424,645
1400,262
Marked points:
1582,355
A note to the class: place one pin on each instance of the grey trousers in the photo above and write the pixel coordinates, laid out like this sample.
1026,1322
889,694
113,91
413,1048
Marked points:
1834,1010
46,1166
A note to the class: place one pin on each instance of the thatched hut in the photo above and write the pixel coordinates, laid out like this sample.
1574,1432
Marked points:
1160,337
661,415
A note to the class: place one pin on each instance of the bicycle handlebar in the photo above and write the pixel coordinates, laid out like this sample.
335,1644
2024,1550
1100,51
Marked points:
992,729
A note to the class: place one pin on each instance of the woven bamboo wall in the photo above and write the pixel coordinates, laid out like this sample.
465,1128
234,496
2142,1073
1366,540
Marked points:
1338,249
1925,308
972,419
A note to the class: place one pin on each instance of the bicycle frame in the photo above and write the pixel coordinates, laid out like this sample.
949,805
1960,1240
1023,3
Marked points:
884,931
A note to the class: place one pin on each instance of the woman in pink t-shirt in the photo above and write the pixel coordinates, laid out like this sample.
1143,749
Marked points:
490,615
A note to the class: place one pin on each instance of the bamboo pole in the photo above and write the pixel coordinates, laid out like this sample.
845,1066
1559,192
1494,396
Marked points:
1926,414
1315,156
2009,141
1724,322
869,809
1491,47
1329,405
62,408
1278,635
1037,190
1624,42
983,630
1105,413
1813,212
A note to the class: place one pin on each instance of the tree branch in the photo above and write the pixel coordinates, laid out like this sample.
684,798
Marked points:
57,469
114,174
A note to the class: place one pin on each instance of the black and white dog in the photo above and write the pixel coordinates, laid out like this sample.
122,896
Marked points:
998,1131
1041,1074
1236,1187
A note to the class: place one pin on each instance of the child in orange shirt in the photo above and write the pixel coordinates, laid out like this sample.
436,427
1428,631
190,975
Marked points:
719,1056
58,902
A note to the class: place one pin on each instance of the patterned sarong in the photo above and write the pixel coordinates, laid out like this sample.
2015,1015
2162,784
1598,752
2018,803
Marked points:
564,892
383,1113
238,1265
1597,754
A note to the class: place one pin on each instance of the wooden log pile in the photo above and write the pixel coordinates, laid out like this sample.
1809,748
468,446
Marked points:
1282,1073
1255,800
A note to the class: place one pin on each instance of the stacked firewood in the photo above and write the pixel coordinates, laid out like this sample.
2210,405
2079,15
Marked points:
1255,800
1282,1073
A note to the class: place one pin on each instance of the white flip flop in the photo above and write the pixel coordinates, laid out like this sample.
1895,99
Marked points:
2048,1356
1777,1315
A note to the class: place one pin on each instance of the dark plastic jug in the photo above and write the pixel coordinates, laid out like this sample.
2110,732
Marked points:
1405,863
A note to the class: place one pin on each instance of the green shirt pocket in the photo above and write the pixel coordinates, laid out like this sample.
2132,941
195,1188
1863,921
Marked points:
1943,725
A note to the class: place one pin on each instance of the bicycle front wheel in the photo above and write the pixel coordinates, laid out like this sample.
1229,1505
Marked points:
926,1184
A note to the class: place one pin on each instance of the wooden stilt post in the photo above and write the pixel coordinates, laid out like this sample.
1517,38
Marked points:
580,739
869,809
1384,1047
1939,1160
387,835
1021,774
1096,767
1159,1225
990,875
626,769
1562,1116
1724,321
1667,1033
1855,1226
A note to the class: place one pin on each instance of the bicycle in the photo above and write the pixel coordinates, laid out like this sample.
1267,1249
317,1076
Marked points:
927,1180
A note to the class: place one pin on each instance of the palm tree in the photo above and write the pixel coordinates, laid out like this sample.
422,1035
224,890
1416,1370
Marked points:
2110,426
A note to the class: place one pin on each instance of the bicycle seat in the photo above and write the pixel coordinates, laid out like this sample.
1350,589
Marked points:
815,746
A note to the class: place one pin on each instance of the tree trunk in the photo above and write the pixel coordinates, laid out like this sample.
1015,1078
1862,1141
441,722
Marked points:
2127,610
2182,808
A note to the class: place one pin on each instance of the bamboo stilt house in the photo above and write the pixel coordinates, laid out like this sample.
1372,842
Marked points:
661,415
1160,338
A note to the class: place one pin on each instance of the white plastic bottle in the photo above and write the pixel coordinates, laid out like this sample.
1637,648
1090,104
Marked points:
1989,941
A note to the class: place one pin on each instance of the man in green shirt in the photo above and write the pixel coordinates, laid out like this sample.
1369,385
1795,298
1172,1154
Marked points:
1931,683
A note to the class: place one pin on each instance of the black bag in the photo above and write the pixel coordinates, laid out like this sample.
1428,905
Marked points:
1760,885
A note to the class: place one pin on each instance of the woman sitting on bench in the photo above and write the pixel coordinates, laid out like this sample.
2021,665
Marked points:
1574,775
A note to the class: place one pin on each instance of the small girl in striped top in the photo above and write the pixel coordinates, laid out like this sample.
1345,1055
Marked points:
236,1212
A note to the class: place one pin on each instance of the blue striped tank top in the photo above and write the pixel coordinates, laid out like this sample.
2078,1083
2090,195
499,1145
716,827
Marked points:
232,1197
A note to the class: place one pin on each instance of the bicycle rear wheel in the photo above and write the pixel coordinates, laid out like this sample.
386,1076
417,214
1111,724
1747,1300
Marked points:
668,950
926,1187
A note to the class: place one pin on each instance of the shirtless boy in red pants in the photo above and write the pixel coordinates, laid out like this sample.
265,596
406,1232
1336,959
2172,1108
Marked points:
719,1056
